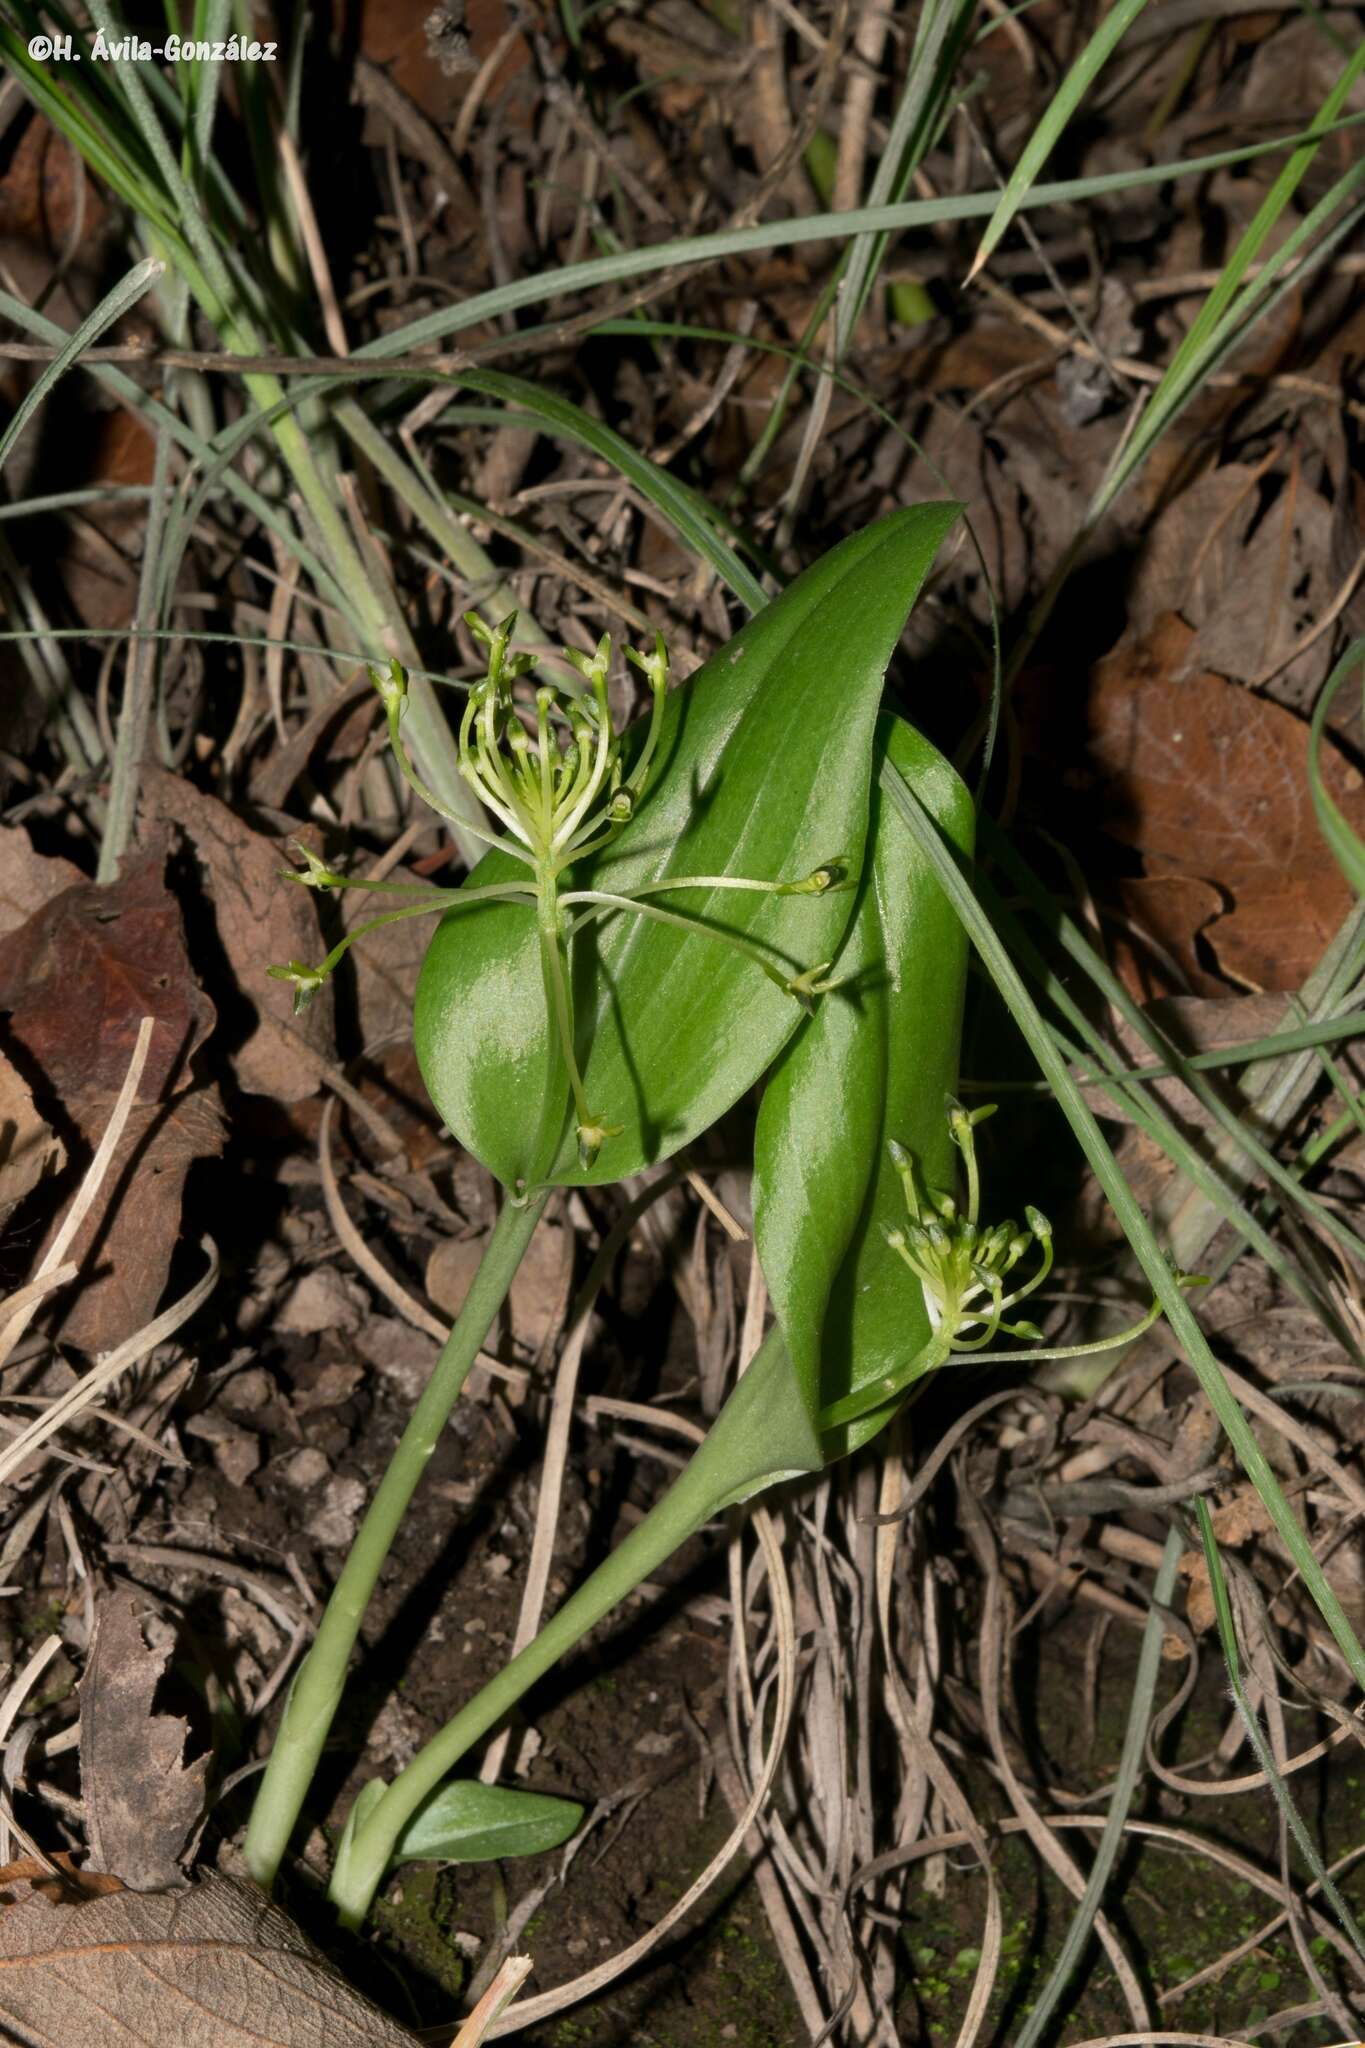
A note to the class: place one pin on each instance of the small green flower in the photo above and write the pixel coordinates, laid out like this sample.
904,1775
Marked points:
307,981
961,1269
806,986
392,687
832,874
315,873
592,1135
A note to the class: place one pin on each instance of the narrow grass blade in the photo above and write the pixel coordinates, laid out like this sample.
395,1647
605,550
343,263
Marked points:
111,307
91,116
160,417
1264,221
74,723
1236,1128
1278,277
343,656
943,29
201,96
134,717
1044,138
695,521
1325,1031
625,264
1221,1201
189,215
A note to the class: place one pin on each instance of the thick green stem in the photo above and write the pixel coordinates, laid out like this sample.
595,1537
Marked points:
317,1687
555,968
762,1434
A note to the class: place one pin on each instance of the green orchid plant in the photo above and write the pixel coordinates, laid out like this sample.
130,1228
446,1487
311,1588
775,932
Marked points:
615,998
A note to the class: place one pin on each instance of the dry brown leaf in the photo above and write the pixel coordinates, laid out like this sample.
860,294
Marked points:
1249,579
1240,1518
77,977
141,1802
28,1148
41,199
1234,1523
81,973
126,1243
387,964
398,34
28,880
217,1966
1200,1612
1211,782
1275,935
1163,918
57,1877
261,920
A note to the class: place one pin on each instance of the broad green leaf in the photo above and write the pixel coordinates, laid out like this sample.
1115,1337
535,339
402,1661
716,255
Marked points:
877,1061
763,771
467,1822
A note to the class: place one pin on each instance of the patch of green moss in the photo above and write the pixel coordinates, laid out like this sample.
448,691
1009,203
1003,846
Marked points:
415,1916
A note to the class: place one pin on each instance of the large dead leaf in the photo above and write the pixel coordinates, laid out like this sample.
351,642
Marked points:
141,1802
77,977
214,1967
1209,781
80,974
261,920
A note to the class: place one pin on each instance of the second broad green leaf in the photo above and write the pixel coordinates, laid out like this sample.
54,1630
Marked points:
876,1063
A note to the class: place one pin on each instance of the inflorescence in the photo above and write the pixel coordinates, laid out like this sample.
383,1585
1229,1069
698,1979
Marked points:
551,773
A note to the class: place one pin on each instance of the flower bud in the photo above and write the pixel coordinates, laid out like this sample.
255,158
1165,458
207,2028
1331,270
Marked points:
392,688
